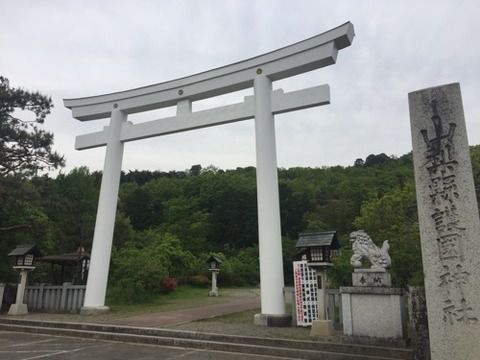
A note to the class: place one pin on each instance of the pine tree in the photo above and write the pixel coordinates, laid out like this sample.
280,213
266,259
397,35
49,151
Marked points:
25,148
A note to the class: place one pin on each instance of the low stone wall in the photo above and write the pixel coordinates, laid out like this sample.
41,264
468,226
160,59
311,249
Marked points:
61,298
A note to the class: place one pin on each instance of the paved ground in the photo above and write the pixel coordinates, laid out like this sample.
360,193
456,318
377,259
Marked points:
23,346
243,329
28,346
188,318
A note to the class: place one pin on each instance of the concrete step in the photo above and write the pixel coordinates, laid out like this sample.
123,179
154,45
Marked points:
243,344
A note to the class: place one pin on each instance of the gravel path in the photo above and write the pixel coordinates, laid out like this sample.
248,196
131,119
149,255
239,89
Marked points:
182,316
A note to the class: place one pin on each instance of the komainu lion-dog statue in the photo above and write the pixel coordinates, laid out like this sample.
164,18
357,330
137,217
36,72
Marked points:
364,248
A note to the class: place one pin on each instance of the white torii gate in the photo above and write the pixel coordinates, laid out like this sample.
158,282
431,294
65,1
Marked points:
259,72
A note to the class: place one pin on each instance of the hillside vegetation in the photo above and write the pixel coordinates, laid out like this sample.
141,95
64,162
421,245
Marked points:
169,223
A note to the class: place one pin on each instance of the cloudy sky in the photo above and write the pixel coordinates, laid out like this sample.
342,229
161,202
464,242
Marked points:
69,49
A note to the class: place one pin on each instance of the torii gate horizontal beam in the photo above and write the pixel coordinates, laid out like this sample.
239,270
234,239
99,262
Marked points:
187,120
301,57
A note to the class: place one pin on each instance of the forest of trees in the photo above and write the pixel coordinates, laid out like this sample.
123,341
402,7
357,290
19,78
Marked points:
168,223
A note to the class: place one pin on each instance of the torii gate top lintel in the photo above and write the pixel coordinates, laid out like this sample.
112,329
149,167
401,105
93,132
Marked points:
307,55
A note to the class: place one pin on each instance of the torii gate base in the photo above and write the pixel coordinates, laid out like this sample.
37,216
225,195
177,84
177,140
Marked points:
282,320
259,72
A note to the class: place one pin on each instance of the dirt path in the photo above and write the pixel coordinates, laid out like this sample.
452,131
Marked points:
181,316
181,312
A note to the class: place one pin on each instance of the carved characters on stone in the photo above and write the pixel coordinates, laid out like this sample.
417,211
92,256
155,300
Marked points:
441,166
364,248
440,148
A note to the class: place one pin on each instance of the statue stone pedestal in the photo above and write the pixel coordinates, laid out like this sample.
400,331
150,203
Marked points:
371,277
370,311
371,308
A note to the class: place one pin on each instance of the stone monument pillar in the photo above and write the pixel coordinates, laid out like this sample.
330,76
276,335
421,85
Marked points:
449,222
371,307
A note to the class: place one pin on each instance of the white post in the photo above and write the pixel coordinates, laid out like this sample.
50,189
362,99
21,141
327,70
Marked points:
105,222
269,231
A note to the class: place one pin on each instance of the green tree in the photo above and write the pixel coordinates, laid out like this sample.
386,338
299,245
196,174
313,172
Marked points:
340,274
394,217
139,268
22,220
74,208
475,157
25,149
245,267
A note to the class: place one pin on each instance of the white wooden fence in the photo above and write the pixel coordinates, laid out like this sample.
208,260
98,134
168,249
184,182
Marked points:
61,298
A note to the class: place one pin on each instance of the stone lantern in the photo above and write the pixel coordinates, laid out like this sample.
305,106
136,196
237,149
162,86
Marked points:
214,267
319,248
24,261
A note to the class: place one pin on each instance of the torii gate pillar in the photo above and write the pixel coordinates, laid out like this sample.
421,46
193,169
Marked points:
105,223
269,229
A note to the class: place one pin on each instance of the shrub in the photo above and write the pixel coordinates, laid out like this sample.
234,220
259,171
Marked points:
169,284
127,291
199,280
245,267
148,265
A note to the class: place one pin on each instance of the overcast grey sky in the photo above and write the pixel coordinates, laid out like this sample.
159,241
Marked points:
69,49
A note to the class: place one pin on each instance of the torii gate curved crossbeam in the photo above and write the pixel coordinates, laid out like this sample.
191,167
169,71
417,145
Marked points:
301,57
259,72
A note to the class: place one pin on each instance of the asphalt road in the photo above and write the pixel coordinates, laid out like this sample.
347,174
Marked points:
25,346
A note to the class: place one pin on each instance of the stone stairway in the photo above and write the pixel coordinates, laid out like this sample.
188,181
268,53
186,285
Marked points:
281,348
